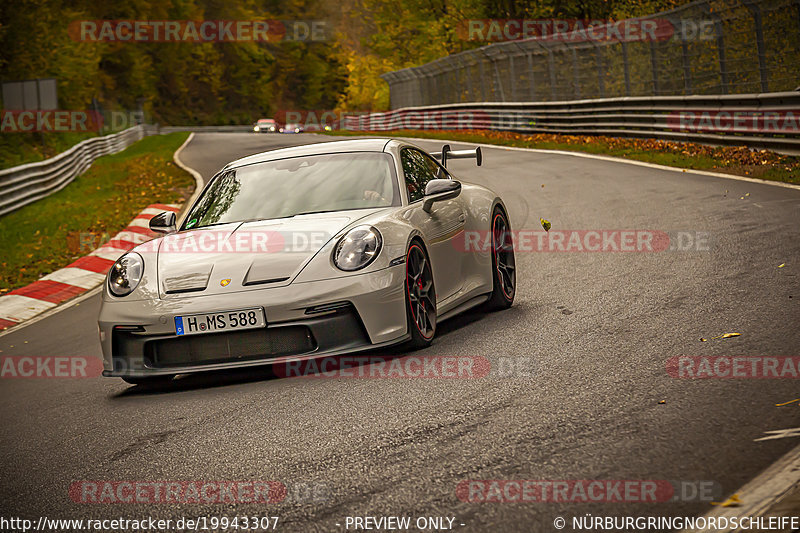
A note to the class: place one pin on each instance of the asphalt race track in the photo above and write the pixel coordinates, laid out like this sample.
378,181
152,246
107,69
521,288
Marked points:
595,330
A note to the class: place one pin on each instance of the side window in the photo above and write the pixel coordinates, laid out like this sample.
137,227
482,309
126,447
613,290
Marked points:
419,169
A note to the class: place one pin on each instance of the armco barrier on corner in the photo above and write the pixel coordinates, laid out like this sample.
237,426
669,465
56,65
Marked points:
767,120
27,183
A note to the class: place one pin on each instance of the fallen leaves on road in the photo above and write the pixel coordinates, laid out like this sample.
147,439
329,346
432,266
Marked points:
733,501
545,224
782,265
723,336
787,403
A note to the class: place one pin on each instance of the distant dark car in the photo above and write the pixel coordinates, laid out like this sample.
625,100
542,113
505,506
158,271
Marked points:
292,127
265,125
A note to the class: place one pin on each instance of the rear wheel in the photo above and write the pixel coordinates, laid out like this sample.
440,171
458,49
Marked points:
420,297
504,269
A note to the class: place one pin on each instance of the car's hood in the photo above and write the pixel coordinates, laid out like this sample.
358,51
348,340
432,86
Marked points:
240,256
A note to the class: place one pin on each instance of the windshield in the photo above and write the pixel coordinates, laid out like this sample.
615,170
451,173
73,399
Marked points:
300,185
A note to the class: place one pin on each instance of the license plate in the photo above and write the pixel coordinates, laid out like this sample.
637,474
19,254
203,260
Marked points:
221,321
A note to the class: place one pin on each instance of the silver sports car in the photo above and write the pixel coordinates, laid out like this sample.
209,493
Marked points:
308,251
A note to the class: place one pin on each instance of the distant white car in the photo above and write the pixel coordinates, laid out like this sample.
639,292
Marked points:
307,251
265,125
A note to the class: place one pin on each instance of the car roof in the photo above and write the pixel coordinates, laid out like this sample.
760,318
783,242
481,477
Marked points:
355,145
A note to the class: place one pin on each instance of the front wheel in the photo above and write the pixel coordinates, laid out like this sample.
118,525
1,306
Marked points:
504,268
420,297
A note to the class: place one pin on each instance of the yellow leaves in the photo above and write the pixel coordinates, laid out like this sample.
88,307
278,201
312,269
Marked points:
545,224
723,336
787,403
733,501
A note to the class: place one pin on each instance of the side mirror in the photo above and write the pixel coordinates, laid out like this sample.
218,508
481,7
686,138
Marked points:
164,222
440,190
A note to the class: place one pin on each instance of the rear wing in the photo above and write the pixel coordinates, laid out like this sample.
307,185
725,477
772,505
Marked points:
447,153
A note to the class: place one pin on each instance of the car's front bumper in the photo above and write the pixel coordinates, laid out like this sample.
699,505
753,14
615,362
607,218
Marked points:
138,337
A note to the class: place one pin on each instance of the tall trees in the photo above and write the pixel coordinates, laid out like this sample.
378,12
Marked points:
227,83
177,82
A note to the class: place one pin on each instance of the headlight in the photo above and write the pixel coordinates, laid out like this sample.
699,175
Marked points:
358,248
256,128
126,274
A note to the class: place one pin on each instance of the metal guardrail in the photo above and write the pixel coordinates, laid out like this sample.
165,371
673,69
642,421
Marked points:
756,120
24,184
745,46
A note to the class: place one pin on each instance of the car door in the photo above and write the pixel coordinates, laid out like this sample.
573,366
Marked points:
441,226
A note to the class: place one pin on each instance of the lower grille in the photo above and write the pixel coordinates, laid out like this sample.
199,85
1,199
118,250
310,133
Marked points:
226,347
336,329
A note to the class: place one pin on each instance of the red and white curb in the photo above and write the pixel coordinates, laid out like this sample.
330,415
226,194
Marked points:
79,277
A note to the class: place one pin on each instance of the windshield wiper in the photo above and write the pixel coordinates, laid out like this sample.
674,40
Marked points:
315,212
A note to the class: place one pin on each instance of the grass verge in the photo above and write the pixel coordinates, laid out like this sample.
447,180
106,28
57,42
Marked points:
740,160
51,233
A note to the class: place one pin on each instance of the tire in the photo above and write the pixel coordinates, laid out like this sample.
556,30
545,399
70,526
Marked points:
504,271
420,297
154,381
